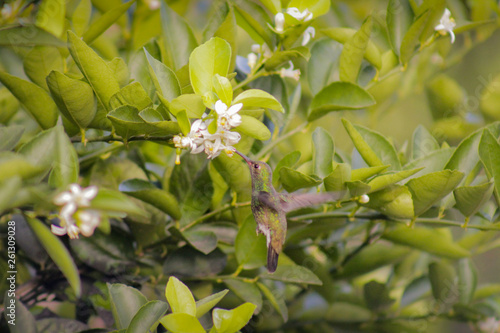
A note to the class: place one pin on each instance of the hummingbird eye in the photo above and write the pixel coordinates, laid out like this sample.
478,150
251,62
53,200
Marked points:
256,166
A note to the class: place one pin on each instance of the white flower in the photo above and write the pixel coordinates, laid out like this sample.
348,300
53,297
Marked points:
252,60
489,325
290,72
262,49
446,25
228,118
304,16
213,148
89,220
154,4
308,34
182,141
279,22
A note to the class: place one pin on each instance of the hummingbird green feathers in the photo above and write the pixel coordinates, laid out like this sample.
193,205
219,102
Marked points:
269,207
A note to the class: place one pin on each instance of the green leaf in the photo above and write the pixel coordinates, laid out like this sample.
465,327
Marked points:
423,143
191,103
81,16
179,40
17,312
114,201
428,240
465,156
253,128
120,71
383,181
182,323
443,279
290,160
132,94
293,180
12,164
60,155
323,64
316,7
399,18
394,201
208,59
146,318
428,189
375,149
283,58
293,274
342,35
231,321
246,291
50,16
206,304
40,61
179,297
353,51
97,72
258,98
489,152
104,21
339,96
377,296
323,152
277,301
371,258
74,98
467,280
125,303
336,181
36,100
250,248
445,96
254,20
9,105
223,89
412,36
27,36
365,173
357,188
58,253
164,79
188,262
10,136
469,199
204,241
147,192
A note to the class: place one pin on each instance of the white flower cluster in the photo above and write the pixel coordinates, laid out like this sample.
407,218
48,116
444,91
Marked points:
446,25
304,16
200,139
74,216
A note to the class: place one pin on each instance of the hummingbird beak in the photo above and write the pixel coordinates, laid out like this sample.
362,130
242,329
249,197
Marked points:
249,161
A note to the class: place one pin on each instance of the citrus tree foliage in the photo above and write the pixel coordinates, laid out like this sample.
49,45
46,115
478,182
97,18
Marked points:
109,110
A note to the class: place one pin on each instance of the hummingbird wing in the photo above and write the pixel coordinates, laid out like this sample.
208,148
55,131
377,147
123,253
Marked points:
291,201
267,200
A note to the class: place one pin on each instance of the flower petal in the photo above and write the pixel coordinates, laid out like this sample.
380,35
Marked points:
57,230
220,107
63,198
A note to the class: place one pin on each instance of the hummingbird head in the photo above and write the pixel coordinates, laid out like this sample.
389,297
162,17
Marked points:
257,168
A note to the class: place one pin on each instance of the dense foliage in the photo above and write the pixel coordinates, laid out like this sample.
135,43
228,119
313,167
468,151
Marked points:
125,208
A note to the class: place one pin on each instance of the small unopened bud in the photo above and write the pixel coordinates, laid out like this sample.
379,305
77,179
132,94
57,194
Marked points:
279,22
252,60
364,199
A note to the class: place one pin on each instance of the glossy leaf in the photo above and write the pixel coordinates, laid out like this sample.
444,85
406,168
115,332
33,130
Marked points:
365,173
206,304
411,38
132,94
36,100
376,296
254,19
399,18
182,323
428,240
375,149
191,103
336,181
293,180
147,316
394,201
323,152
179,40
443,279
10,136
339,96
467,280
423,143
164,79
94,68
489,152
114,201
469,199
353,51
81,16
125,303
254,128
74,98
322,66
276,299
204,241
208,59
58,253
50,16
342,35
283,58
258,98
293,274
180,297
357,188
231,321
250,247
428,189
147,192
246,291
289,161
386,180
188,262
223,89
27,36
103,22
40,61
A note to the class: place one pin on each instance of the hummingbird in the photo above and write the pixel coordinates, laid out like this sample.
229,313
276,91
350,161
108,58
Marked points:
269,207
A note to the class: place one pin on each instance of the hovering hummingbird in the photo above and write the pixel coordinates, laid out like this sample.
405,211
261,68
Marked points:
269,207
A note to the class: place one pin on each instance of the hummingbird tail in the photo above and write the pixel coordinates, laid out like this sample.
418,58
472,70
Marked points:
272,259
